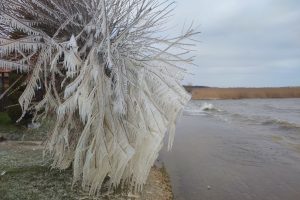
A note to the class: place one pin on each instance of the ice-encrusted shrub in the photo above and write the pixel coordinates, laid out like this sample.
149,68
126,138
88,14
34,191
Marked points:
111,80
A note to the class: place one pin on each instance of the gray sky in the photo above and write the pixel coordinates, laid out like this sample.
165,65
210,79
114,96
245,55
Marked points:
244,42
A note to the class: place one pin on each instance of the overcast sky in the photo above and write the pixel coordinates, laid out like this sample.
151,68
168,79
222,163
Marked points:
244,42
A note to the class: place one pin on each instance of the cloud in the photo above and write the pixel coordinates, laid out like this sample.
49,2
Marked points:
244,43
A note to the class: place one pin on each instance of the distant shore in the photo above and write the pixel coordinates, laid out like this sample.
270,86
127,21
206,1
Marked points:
242,93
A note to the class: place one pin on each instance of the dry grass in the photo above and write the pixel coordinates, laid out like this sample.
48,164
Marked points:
243,93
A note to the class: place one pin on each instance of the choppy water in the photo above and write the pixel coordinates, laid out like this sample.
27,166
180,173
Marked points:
237,149
281,114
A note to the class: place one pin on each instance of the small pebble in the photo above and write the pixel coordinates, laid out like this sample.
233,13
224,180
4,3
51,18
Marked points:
208,187
3,173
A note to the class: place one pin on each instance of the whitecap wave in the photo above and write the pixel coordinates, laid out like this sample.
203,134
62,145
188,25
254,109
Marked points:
202,109
208,107
281,124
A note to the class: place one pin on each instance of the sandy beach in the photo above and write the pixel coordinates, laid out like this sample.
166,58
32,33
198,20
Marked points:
215,161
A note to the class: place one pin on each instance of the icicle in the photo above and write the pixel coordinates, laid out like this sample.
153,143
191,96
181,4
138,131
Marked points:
113,84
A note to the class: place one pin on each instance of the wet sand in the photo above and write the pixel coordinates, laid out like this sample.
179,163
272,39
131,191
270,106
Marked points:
212,160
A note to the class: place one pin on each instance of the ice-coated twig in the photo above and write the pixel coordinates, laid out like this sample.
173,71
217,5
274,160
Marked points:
111,80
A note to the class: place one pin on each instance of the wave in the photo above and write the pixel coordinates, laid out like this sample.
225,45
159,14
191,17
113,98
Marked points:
270,117
250,119
208,107
281,124
282,109
200,109
260,120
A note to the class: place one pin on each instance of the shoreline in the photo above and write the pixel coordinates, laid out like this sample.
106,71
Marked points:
213,93
213,159
23,175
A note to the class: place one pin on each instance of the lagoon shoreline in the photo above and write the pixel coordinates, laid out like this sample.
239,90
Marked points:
226,153
209,93
25,174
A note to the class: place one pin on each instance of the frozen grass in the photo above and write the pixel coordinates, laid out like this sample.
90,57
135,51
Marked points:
27,176
22,133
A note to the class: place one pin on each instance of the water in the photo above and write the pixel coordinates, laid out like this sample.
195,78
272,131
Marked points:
237,149
284,113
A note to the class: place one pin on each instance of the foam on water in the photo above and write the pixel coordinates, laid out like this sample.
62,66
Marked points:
251,139
202,109
282,114
281,124
208,107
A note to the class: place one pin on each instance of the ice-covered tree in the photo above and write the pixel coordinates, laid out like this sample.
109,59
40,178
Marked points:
110,78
